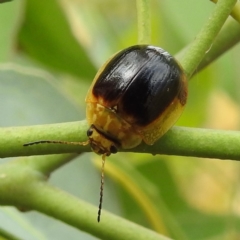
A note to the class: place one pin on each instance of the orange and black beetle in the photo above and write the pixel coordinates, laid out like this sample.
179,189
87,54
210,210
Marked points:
137,95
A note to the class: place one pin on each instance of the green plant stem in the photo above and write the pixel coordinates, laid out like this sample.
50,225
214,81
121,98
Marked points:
35,193
47,163
13,138
144,21
205,143
228,37
206,36
235,13
180,141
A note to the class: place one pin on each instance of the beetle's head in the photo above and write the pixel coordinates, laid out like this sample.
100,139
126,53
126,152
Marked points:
100,142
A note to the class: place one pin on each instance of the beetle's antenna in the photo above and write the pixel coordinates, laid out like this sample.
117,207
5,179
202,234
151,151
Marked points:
101,188
56,142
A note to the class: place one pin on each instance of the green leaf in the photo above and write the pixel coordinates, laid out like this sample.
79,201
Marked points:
46,36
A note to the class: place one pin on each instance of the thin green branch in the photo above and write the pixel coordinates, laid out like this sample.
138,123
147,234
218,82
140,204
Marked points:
47,163
144,21
34,193
228,37
13,138
206,36
205,143
180,141
235,13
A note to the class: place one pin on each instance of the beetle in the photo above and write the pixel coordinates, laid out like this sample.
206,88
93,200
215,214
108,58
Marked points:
136,96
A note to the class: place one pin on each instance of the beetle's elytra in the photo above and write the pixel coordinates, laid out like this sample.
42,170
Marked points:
137,95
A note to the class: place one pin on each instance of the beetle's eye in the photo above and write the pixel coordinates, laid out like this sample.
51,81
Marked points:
113,149
89,132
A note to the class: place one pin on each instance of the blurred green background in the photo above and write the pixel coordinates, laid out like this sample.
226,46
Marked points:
49,54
